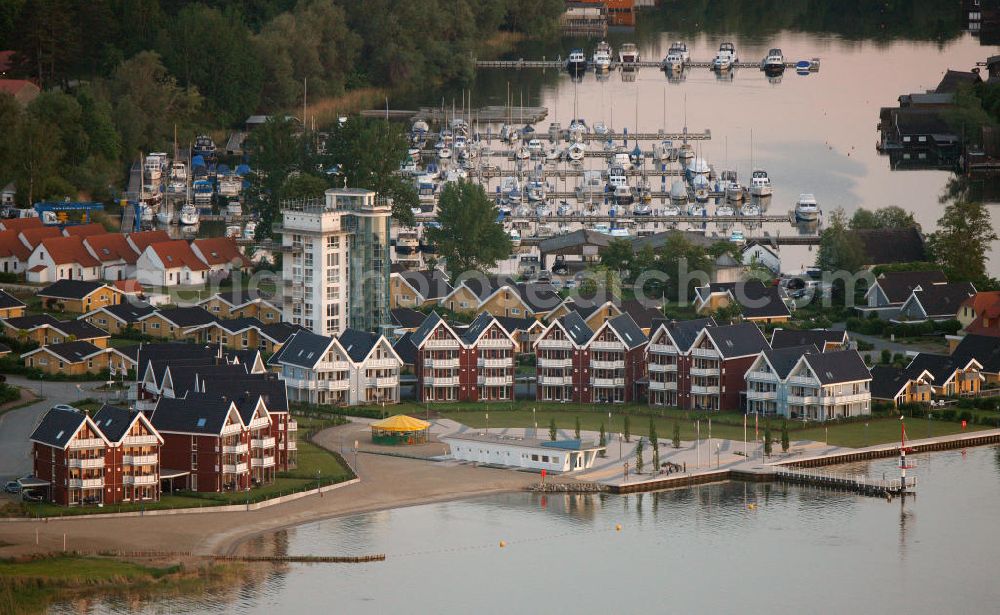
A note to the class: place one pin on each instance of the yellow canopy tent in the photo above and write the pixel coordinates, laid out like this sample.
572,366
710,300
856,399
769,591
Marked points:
400,429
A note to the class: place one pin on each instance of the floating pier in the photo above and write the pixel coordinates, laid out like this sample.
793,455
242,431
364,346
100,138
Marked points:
559,63
493,114
846,482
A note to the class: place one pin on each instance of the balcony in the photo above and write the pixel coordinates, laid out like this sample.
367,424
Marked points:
835,400
259,422
607,364
262,462
318,385
386,382
382,364
139,479
494,343
547,343
86,443
333,366
762,395
140,440
607,382
97,462
704,371
292,445
557,381
803,400
663,367
602,345
555,363
655,385
238,449
759,376
441,363
662,349
232,429
705,352
501,363
293,426
449,343
86,483
262,442
445,381
237,468
802,380
140,460
496,381
712,389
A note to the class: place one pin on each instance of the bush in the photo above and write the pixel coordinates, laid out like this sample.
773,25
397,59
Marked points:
9,393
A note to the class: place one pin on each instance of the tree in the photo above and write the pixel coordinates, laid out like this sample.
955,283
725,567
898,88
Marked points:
686,266
304,186
627,429
654,440
468,235
603,441
677,434
638,457
577,430
885,356
767,439
962,243
369,153
553,432
618,255
839,248
785,442
891,217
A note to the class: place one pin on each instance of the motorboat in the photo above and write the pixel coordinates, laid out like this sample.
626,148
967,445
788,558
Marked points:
178,171
696,209
543,209
628,55
234,231
515,237
681,50
760,184
564,209
555,131
616,178
619,232
203,146
750,209
189,215
536,190
602,228
671,210
642,209
554,153
673,63
250,231
624,195
774,62
621,158
203,192
636,155
806,208
737,237
427,195
578,129
444,152
726,58
510,134
602,56
577,151
592,183
522,153
725,209
685,153
678,192
577,61
176,187
234,209
535,146
230,185
152,168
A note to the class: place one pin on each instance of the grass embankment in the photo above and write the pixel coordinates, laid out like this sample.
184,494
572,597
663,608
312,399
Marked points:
30,586
316,467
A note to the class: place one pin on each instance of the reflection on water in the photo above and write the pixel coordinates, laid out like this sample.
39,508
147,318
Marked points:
753,546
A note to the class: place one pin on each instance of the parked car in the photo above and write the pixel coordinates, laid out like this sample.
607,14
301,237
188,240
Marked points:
29,496
12,486
64,407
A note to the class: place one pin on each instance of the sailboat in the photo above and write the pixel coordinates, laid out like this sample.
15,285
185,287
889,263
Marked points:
189,215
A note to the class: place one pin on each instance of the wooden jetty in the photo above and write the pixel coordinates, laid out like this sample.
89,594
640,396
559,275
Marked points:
848,482
493,114
560,63
585,219
492,172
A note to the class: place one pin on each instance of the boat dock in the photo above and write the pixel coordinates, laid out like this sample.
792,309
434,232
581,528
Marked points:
560,63
585,219
848,482
493,114
493,172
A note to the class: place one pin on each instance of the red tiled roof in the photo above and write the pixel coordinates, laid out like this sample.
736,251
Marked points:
68,250
11,245
38,268
19,224
146,238
129,287
178,253
34,236
15,87
85,230
108,247
220,251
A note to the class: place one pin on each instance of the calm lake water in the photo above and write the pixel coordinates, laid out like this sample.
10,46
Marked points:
700,549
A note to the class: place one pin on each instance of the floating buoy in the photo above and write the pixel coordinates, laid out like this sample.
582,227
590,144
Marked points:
618,527
752,506
503,543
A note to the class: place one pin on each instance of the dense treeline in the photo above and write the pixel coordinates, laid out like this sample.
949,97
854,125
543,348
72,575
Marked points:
120,76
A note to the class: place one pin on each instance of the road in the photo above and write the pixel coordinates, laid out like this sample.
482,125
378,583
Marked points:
17,425
931,344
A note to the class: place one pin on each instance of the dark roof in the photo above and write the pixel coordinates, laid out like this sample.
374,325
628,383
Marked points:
684,332
576,328
4,348
114,422
983,348
513,324
573,240
243,356
188,316
888,381
537,296
358,343
202,414
885,246
839,366
954,79
31,321
738,340
405,349
280,331
57,426
586,308
425,328
234,325
784,359
128,311
241,296
70,289
944,299
921,121
787,338
407,318
941,366
477,326
431,284
190,378
642,315
658,240
81,329
755,299
163,351
304,349
629,332
898,285
72,352
254,385
8,301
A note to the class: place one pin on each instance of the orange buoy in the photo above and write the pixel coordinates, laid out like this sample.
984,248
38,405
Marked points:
503,544
618,527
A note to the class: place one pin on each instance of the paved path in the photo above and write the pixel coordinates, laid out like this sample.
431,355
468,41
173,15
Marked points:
936,345
17,425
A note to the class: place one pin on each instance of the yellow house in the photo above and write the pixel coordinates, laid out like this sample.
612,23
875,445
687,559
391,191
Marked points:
44,329
78,296
948,375
77,358
117,318
901,386
503,298
174,323
238,304
593,315
10,306
414,289
758,303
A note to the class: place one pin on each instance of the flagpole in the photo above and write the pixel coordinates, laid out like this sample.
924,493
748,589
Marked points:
746,450
697,444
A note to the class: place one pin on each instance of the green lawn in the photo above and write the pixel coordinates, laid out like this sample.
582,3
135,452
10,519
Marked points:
75,570
880,431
